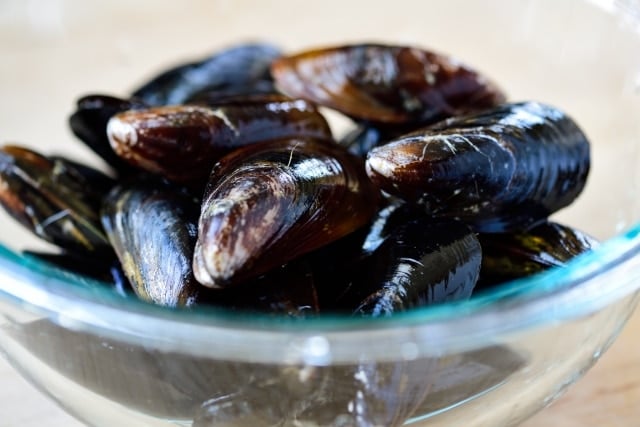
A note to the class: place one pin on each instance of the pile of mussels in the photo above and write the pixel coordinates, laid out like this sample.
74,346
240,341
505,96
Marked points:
228,188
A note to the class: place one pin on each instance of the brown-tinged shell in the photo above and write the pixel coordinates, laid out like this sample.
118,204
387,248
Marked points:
182,143
272,202
405,259
153,232
384,83
89,123
509,256
52,199
504,169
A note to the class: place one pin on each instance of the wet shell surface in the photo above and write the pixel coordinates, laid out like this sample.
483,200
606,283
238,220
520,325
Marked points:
286,291
384,83
509,256
234,68
89,123
504,169
272,202
411,263
182,143
53,199
153,232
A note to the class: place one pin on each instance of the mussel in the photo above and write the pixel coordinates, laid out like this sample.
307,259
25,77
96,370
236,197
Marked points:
153,232
220,96
409,264
269,203
509,256
182,143
507,168
235,68
287,291
89,123
362,139
385,83
53,199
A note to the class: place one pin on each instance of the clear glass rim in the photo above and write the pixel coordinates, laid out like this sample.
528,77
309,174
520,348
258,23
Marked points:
582,287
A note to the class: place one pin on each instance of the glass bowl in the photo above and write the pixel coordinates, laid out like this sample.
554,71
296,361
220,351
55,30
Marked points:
491,361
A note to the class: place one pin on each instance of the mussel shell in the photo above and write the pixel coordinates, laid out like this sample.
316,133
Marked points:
504,169
234,67
362,139
272,202
336,265
509,256
420,263
286,291
182,143
52,199
99,182
385,84
89,124
153,232
219,96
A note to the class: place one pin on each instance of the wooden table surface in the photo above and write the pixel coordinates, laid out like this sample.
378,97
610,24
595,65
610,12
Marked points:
608,396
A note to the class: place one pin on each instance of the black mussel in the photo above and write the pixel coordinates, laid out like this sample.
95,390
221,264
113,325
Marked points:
386,221
273,100
52,199
366,137
103,269
182,143
343,268
100,182
509,256
504,169
153,232
230,69
385,84
288,290
89,124
272,202
217,96
362,139
420,263
336,265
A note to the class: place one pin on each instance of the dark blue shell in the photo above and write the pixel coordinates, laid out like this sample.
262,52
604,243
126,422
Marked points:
235,67
504,169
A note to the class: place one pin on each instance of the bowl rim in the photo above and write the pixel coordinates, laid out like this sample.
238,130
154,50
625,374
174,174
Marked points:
557,295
